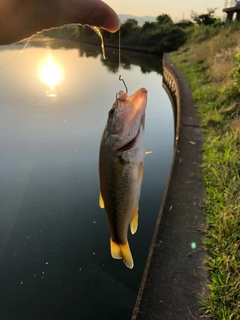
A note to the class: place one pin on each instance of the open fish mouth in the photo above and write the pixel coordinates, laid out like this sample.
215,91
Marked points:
130,144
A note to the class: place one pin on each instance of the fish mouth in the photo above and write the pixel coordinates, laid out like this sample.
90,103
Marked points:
137,103
130,144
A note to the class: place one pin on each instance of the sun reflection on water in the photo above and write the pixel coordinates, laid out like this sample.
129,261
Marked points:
51,74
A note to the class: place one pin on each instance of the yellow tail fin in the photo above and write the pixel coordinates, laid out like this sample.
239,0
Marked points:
122,251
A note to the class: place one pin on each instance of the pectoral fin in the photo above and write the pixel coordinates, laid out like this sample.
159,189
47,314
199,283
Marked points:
134,222
101,202
122,251
148,152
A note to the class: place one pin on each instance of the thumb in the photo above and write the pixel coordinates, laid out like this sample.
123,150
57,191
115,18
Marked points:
21,19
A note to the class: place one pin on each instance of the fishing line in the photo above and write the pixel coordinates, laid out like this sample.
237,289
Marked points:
97,31
21,51
119,61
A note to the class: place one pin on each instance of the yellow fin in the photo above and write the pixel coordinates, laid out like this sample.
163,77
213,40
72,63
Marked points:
148,152
101,202
122,251
134,222
127,255
115,250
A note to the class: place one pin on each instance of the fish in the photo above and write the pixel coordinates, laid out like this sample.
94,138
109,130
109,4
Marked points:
121,166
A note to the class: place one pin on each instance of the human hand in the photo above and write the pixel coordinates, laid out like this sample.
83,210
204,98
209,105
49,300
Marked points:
21,19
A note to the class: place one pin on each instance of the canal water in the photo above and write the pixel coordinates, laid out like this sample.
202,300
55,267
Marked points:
54,239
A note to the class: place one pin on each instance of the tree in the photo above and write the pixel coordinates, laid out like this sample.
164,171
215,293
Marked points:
148,26
130,23
184,24
205,19
168,38
164,19
128,26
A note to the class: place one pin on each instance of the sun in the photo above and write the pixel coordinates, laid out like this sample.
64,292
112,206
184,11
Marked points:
50,73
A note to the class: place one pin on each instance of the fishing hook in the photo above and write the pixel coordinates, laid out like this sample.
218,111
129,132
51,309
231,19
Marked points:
120,79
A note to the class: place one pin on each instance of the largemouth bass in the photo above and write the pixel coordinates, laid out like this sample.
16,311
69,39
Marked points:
121,165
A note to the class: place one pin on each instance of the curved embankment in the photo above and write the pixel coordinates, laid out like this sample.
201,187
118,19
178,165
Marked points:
174,278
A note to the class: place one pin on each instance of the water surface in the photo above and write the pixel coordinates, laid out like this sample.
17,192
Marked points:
54,238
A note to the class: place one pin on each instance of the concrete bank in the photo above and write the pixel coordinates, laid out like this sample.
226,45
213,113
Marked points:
174,278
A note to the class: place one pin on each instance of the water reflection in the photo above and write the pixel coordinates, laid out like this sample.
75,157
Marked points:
147,62
51,74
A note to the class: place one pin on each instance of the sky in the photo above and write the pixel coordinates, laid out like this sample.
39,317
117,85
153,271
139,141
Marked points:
176,9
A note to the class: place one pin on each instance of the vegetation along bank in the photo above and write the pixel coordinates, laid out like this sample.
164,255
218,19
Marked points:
163,35
210,60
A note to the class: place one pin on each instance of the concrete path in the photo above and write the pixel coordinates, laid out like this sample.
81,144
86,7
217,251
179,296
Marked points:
174,278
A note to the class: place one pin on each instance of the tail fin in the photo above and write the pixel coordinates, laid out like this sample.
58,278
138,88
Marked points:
122,251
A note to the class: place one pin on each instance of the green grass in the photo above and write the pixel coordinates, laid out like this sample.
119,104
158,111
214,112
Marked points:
216,91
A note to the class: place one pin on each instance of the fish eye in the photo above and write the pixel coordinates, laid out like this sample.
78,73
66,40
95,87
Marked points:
111,112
